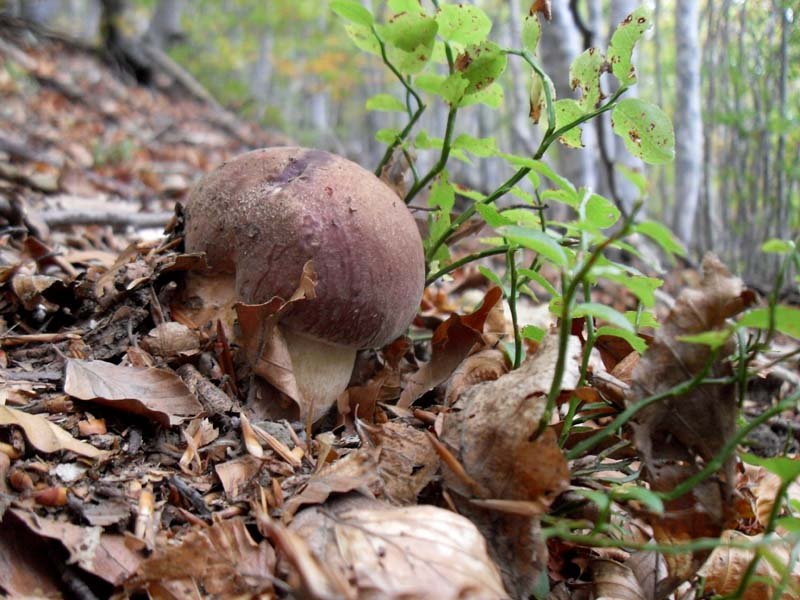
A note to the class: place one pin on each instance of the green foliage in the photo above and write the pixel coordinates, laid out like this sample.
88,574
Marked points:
646,130
623,41
463,23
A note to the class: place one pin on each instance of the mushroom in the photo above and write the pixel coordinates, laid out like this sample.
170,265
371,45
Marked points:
262,216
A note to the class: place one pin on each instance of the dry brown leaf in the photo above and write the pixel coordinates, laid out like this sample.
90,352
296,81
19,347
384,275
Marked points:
222,560
236,474
726,566
492,433
103,554
485,365
451,344
44,435
25,571
154,393
678,436
407,462
612,579
171,340
265,347
356,471
393,553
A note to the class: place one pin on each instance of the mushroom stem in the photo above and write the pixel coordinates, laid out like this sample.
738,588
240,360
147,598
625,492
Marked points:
321,370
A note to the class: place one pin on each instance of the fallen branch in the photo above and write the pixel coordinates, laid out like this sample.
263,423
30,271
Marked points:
65,218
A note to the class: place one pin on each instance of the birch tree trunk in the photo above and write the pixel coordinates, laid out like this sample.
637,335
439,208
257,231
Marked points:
688,119
165,25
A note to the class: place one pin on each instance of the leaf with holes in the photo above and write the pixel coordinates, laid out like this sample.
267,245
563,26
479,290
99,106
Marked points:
585,74
463,23
620,50
646,130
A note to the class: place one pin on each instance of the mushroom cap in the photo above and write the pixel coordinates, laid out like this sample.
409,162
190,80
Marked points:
264,214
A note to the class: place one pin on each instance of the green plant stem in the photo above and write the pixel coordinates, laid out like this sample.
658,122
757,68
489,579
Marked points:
575,402
512,303
465,260
565,327
728,449
582,447
521,172
409,90
443,157
769,528
548,92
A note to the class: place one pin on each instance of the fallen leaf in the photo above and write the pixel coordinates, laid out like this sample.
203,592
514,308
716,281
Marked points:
492,433
613,579
101,554
235,475
452,342
406,463
46,436
413,552
678,436
356,471
485,365
222,560
25,571
171,340
154,393
724,569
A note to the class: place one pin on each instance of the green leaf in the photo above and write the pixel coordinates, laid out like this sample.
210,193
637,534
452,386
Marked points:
425,142
714,339
482,147
385,102
645,129
410,37
450,88
491,96
606,313
585,74
790,524
637,343
600,212
352,11
538,278
523,217
491,276
443,195
636,177
640,286
531,32
634,492
398,6
463,23
788,469
662,236
787,319
567,111
543,169
481,64
620,50
646,319
531,332
492,216
776,246
387,136
538,96
537,241
408,30
363,38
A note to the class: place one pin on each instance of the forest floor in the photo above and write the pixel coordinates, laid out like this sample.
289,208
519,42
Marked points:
132,461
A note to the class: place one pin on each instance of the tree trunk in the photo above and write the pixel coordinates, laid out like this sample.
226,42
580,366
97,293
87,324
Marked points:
688,119
165,26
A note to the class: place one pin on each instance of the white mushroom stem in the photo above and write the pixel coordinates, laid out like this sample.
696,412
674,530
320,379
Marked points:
321,370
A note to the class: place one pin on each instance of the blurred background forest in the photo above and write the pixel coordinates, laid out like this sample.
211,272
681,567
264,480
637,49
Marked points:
726,71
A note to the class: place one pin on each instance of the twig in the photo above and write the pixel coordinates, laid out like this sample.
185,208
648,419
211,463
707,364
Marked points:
137,220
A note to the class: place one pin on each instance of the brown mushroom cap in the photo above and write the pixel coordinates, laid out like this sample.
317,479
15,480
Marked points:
264,214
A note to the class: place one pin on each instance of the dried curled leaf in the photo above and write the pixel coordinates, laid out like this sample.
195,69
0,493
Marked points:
158,394
44,435
486,365
614,580
452,342
677,436
223,560
492,434
726,566
387,552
